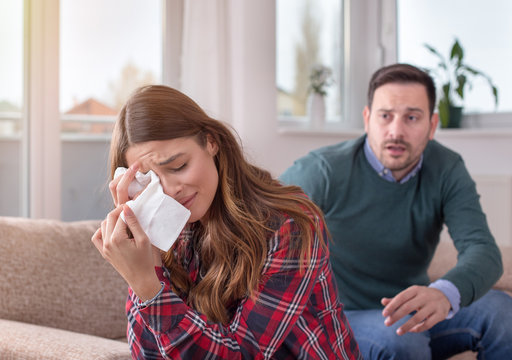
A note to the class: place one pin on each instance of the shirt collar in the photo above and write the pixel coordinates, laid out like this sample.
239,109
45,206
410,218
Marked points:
384,172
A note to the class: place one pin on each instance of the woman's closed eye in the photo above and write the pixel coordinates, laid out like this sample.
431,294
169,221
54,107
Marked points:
177,169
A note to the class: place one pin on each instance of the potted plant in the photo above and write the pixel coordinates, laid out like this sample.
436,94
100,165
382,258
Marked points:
321,77
455,76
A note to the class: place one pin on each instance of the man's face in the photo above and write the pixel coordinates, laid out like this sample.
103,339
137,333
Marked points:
399,125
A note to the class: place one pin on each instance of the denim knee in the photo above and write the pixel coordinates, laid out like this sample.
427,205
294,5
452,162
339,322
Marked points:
394,347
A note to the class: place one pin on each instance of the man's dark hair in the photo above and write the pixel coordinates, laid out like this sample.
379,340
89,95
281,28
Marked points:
402,74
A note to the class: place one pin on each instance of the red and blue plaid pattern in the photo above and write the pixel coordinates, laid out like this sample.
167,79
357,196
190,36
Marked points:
293,315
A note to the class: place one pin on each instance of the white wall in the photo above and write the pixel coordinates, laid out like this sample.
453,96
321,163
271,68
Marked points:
253,105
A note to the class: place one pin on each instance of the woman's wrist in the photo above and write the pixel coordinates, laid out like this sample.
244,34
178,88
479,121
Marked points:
146,290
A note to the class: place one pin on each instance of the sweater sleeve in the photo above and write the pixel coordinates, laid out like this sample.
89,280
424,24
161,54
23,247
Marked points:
311,173
479,263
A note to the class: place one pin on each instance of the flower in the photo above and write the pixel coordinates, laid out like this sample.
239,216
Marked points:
321,77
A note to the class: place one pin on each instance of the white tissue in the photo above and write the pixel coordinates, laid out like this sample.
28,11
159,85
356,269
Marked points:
161,217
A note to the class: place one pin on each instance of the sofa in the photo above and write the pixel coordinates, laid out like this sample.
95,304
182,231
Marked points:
445,258
59,299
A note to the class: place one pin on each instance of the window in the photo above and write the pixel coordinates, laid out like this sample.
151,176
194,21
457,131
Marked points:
104,56
308,33
66,67
482,28
11,107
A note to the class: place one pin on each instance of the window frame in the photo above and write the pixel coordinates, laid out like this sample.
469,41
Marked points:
41,120
377,33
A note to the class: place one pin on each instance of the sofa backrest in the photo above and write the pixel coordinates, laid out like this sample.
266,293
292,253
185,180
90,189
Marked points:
51,274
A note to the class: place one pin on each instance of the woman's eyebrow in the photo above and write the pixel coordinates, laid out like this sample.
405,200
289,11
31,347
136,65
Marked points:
171,159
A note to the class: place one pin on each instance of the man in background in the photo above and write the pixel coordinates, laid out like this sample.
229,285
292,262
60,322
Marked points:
386,196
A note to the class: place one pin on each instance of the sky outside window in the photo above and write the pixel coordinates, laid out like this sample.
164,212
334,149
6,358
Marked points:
484,30
107,48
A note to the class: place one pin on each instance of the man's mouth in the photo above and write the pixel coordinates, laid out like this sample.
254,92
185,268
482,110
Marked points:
395,149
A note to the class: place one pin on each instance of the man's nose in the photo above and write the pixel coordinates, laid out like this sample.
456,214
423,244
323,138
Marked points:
396,128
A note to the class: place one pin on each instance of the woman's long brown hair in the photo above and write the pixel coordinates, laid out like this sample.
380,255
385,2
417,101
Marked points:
234,240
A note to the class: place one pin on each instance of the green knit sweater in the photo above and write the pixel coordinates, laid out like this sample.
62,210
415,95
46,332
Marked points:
384,234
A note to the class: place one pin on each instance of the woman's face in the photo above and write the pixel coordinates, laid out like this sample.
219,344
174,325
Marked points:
186,170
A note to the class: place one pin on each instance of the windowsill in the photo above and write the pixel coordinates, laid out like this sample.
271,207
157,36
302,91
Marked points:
336,130
474,125
329,130
473,132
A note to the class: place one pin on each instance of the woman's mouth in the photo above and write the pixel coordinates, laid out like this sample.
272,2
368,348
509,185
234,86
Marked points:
187,201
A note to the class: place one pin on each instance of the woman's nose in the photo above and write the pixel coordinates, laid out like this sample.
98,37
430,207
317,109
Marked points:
171,187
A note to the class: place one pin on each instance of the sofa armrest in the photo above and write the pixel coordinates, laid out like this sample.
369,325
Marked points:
27,341
445,258
52,275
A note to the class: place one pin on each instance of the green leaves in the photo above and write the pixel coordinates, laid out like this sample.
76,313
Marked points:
457,53
455,76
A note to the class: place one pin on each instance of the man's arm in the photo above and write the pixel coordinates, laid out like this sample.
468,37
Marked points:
479,262
311,174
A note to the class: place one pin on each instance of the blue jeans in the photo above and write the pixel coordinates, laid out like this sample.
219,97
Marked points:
484,327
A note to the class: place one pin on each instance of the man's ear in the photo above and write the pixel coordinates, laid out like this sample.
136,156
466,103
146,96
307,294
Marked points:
366,117
434,120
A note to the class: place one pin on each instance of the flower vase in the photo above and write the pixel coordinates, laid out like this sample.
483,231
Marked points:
316,110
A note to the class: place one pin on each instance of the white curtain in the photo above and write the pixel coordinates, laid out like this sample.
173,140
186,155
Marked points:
205,75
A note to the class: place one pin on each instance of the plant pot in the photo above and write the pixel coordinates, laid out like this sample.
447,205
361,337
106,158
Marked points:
449,115
455,116
316,110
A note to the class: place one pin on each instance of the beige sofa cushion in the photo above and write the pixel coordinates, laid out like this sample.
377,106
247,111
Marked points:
20,341
52,275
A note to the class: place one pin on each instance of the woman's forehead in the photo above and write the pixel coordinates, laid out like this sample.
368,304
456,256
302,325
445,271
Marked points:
157,152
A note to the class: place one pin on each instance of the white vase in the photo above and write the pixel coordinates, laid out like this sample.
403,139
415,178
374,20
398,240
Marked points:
316,110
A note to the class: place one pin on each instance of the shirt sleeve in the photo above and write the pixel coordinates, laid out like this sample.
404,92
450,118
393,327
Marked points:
451,292
260,324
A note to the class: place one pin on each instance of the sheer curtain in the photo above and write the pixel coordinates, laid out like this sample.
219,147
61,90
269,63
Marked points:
205,74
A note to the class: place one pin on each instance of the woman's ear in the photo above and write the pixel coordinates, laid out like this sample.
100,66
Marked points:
211,145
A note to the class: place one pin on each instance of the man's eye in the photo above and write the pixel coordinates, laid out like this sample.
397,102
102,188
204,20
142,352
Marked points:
413,118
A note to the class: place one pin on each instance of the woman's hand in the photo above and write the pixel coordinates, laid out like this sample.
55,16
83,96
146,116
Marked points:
133,257
119,186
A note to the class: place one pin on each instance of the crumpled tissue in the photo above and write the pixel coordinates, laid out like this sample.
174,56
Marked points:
161,217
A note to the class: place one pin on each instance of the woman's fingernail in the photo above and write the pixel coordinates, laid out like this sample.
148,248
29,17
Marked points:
127,211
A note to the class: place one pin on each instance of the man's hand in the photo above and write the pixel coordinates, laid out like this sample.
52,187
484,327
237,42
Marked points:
430,304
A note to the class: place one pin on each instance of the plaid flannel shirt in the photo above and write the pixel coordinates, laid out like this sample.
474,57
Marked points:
293,315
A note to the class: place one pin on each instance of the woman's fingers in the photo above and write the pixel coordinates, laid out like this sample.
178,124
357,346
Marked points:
124,183
97,240
119,186
131,221
112,186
